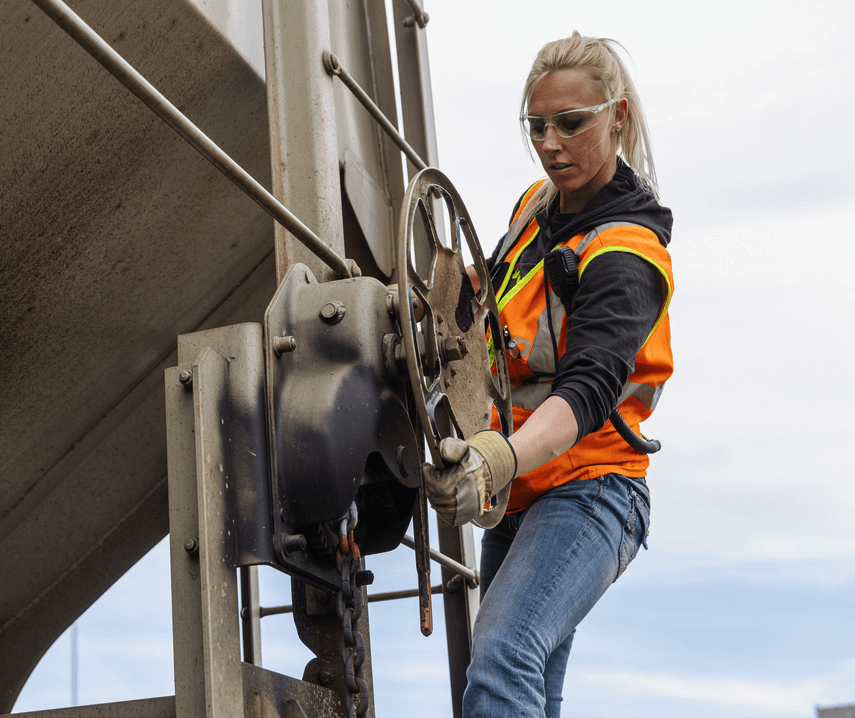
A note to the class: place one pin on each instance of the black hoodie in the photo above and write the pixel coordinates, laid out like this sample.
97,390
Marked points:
619,297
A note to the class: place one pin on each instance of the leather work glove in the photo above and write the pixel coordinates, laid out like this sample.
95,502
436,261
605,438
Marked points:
475,471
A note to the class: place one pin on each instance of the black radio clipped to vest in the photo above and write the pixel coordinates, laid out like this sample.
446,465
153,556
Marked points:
562,270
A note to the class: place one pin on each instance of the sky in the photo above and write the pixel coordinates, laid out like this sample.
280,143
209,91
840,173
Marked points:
745,603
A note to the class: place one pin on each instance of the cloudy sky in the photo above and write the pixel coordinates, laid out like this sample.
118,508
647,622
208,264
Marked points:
745,603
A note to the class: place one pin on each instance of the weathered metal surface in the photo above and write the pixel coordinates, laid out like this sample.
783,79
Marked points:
116,237
454,396
421,545
250,615
339,421
321,632
206,641
289,697
416,95
163,707
416,100
303,144
373,179
243,346
90,41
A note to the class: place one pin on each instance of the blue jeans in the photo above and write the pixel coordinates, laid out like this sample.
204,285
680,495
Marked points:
542,570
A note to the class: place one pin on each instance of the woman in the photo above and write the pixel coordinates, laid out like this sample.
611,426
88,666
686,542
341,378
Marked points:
578,505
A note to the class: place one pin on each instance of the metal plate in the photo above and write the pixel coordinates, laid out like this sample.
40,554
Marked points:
454,397
340,430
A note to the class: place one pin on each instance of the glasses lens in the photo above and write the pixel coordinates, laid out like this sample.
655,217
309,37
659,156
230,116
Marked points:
567,124
572,123
535,127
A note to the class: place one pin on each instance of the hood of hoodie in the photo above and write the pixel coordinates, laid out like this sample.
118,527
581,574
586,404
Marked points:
621,200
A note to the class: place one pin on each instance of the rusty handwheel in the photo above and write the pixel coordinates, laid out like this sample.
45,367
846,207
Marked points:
447,354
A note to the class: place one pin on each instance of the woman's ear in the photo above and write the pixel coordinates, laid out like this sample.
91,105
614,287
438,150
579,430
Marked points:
621,112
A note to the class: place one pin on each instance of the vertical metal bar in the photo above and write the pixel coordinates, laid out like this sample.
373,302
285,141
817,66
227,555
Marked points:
461,607
250,615
416,95
303,139
416,109
208,675
184,564
218,577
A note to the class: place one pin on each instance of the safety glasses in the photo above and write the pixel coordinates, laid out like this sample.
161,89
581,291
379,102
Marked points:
567,124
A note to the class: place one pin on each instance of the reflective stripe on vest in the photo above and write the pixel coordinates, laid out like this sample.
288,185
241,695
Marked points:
537,361
523,309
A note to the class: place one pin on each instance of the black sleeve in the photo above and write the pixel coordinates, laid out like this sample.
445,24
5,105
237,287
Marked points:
619,298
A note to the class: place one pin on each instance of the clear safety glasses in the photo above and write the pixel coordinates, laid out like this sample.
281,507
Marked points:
567,124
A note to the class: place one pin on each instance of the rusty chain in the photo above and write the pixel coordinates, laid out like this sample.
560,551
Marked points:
348,604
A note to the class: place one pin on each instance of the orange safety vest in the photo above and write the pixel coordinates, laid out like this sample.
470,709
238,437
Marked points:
523,310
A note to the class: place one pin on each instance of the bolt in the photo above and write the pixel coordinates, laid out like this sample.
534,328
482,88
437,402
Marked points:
422,19
293,543
454,583
331,63
333,312
322,596
186,377
363,578
453,349
282,345
325,675
191,546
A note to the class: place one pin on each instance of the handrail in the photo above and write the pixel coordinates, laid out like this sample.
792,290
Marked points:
470,574
333,67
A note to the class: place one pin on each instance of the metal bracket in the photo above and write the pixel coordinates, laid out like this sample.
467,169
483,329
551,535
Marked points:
340,430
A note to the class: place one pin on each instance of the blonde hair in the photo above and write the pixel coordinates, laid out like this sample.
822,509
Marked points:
608,75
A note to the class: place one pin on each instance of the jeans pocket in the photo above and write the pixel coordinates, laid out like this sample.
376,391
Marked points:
634,531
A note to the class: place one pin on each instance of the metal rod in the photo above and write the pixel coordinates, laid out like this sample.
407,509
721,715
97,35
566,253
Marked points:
372,598
90,41
470,574
333,67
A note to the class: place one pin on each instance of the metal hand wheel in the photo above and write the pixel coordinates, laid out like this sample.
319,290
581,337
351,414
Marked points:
447,355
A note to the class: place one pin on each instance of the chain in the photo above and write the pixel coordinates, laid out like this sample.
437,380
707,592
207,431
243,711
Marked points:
348,604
